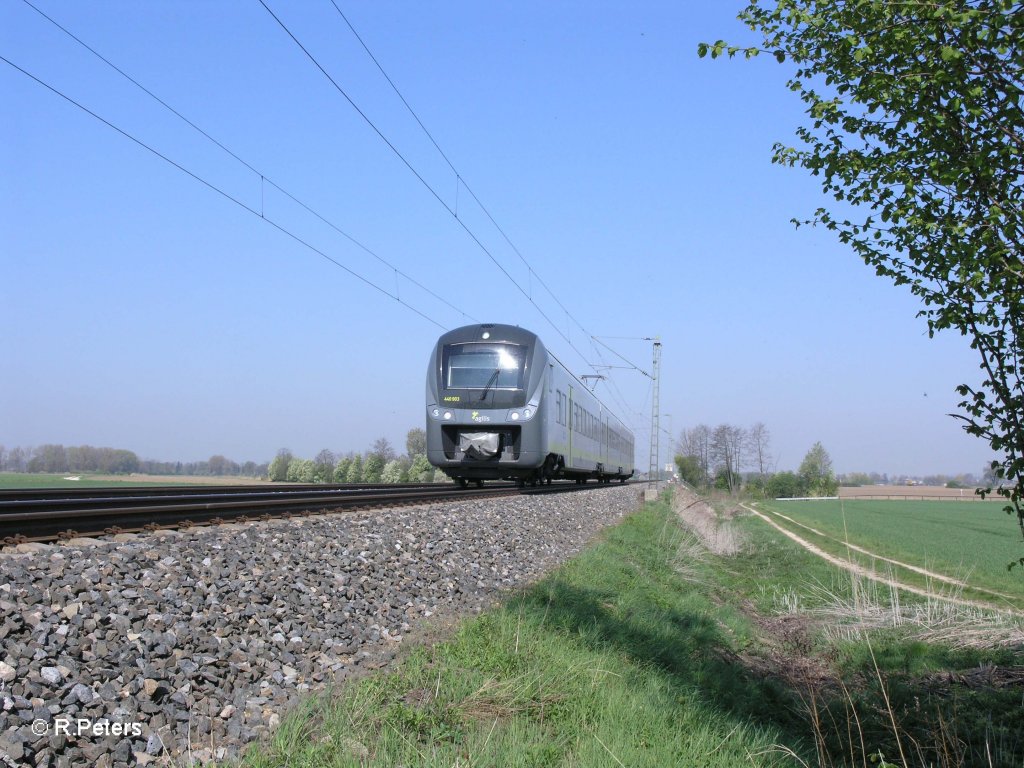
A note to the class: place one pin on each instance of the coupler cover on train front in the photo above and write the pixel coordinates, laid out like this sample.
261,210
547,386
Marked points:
479,445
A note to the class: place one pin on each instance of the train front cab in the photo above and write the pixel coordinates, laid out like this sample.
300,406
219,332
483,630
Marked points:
484,404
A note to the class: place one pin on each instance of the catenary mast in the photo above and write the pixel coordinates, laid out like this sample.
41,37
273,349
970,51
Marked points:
652,471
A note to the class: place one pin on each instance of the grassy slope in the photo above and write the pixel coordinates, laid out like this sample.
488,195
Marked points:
645,652
613,658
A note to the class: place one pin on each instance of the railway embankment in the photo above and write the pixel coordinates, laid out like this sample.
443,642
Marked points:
191,644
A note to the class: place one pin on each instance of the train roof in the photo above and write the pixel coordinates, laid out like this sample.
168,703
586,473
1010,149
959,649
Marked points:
494,332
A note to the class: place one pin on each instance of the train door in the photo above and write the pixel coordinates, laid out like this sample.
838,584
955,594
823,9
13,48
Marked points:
572,426
605,453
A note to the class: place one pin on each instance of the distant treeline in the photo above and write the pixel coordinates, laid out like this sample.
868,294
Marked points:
379,464
737,459
53,458
963,480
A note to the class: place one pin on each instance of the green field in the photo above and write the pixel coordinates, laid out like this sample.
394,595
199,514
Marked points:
970,541
37,480
13,480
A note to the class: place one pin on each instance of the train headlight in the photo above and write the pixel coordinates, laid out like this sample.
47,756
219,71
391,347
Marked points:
527,413
515,416
436,412
448,415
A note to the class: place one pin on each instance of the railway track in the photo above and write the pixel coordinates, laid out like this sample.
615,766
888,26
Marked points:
52,514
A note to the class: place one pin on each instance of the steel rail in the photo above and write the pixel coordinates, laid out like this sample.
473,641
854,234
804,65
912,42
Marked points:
41,518
52,500
72,492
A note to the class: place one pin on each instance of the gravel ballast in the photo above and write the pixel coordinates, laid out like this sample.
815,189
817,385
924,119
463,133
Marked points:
190,644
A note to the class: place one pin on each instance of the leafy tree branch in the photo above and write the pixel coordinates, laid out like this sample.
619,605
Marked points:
915,113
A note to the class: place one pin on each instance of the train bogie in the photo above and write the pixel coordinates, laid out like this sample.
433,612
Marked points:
500,406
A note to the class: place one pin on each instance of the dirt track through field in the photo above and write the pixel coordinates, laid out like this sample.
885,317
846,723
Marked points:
860,570
915,568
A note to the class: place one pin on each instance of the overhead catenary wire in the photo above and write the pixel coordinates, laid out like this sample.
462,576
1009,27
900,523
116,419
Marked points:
210,185
264,180
461,182
634,365
253,169
460,179
473,236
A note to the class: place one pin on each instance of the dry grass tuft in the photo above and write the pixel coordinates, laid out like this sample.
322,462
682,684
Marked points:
870,605
718,536
504,699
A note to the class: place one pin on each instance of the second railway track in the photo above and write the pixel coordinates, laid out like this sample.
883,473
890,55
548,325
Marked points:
46,515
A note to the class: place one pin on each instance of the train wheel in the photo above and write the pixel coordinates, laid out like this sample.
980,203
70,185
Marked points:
520,483
463,482
479,483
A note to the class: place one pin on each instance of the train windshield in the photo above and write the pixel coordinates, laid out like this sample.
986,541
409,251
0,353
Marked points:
484,366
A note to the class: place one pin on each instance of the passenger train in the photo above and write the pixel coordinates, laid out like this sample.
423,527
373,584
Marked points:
500,406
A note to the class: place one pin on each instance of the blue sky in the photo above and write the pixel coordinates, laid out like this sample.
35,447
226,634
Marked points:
144,310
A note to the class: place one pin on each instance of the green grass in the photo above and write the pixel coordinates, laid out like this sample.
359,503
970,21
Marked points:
778,577
613,659
970,541
944,716
647,651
